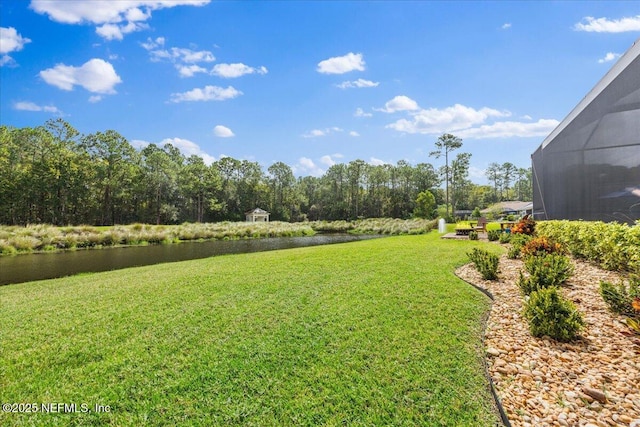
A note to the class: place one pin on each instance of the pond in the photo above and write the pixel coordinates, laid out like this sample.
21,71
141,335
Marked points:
25,268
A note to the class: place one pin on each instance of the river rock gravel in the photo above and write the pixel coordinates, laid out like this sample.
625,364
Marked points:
591,382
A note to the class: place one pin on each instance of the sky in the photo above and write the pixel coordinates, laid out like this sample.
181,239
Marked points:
311,83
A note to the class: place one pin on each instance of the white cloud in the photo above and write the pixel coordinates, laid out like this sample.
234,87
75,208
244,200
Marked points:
506,26
605,25
188,148
610,56
31,106
6,60
342,64
231,71
510,129
10,41
95,98
223,132
314,133
377,162
117,32
360,83
138,143
95,75
185,60
113,18
190,56
189,70
360,113
399,103
153,44
306,166
477,174
354,133
207,93
450,119
328,160
321,132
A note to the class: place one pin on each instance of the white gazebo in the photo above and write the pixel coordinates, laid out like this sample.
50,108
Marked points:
257,215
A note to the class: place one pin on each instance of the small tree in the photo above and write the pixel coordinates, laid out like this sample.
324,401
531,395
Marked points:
476,213
425,205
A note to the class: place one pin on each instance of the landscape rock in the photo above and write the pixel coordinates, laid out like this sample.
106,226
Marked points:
542,382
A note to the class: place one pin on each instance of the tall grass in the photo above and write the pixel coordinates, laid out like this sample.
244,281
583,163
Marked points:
38,237
46,237
390,226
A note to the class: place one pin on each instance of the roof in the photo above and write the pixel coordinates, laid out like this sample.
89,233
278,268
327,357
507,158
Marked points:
618,67
513,205
257,211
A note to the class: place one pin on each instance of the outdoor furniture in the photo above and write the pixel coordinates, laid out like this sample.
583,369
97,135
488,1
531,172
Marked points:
463,231
507,225
482,224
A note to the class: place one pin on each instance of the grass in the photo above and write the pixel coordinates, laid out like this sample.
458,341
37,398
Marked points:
376,332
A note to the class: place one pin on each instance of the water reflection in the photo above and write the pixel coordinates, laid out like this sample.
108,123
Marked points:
25,268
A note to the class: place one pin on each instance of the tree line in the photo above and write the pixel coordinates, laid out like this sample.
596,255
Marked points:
53,174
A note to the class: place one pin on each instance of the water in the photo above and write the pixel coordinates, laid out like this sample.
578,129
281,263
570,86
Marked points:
25,268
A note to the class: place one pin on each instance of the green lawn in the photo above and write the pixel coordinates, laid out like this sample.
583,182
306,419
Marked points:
373,333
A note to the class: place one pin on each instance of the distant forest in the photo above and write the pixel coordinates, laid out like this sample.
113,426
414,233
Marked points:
53,174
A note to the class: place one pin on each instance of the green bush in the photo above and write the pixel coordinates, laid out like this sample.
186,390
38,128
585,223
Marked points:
493,235
473,235
613,246
549,314
513,252
517,243
620,298
504,237
545,271
485,262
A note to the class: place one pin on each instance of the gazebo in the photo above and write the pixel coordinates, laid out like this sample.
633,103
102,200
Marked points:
257,215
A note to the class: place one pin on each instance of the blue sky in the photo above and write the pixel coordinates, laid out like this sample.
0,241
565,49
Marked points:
310,83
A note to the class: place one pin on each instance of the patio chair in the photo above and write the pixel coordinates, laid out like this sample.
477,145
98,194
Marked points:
481,225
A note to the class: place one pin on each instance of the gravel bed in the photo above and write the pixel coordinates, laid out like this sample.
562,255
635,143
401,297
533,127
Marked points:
594,381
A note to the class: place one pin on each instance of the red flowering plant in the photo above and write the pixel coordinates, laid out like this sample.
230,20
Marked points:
525,226
541,245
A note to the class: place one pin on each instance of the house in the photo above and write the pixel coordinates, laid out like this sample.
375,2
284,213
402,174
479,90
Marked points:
257,215
589,165
514,207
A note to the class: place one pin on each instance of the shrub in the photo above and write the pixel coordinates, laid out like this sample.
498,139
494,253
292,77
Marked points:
545,271
525,226
485,262
613,246
548,313
513,252
620,299
504,237
517,242
541,245
473,235
493,235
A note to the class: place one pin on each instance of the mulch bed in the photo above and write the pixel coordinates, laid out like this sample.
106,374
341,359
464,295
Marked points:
594,381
